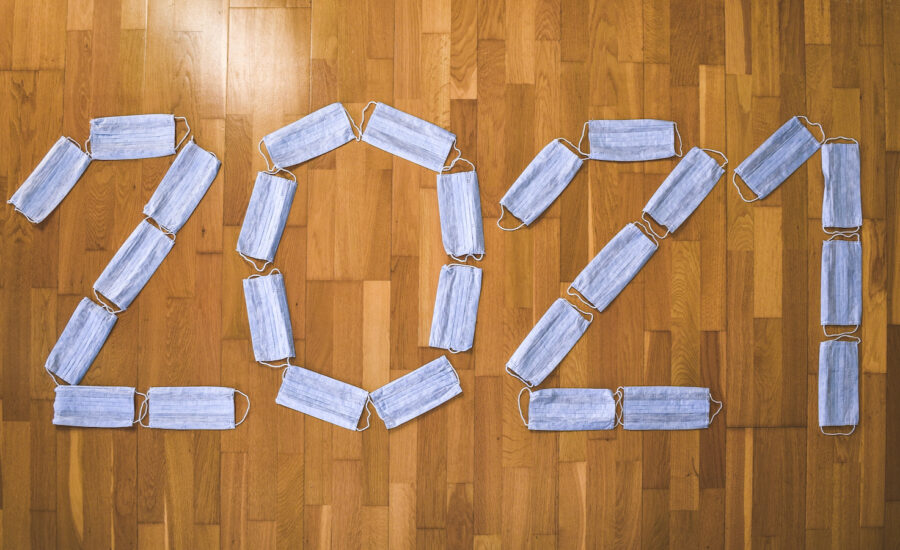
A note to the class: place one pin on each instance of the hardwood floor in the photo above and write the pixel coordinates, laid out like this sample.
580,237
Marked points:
730,301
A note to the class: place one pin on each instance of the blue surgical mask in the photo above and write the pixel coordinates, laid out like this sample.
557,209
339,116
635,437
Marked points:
322,397
666,407
192,408
456,308
408,137
632,140
416,393
51,181
459,205
838,385
841,283
270,319
313,135
80,341
94,406
569,409
134,137
841,200
265,218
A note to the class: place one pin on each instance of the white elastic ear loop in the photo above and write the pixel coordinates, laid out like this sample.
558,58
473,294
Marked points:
185,135
519,403
52,377
162,228
815,124
517,377
462,261
273,270
838,433
265,158
275,169
27,217
141,409
650,227
144,411
719,152
850,337
583,130
838,335
840,137
86,150
734,182
106,306
620,406
252,262
246,412
458,158
358,134
580,297
680,149
286,363
502,213
362,121
583,312
711,418
572,145
648,232
853,235
368,415
456,374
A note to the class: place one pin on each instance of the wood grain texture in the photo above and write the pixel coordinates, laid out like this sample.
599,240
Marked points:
730,301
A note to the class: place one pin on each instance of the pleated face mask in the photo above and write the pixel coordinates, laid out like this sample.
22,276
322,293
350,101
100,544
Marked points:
841,284
838,385
322,397
133,137
94,406
80,341
569,409
542,181
51,181
455,308
416,393
666,408
133,265
632,140
841,201
408,137
181,189
266,216
777,158
684,189
459,205
270,319
551,339
192,408
315,134
613,267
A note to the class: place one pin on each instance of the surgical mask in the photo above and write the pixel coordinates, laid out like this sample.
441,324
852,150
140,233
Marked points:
51,181
683,190
841,284
416,393
80,341
133,265
94,406
632,140
569,409
777,158
666,407
407,136
181,189
455,308
613,267
192,408
551,339
459,205
313,135
265,218
841,201
542,181
322,397
134,137
270,319
838,385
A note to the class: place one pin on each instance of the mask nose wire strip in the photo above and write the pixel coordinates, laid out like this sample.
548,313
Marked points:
141,410
368,415
583,131
840,137
620,406
734,175
580,297
719,152
838,335
519,403
572,145
362,120
106,306
502,213
517,377
265,158
711,418
680,144
650,227
252,262
815,124
246,412
185,135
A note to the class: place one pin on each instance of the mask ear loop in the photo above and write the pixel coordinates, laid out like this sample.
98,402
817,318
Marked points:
519,403
840,137
815,124
357,135
849,337
27,217
583,312
838,335
273,271
144,411
141,410
721,406
572,145
368,415
52,377
106,306
648,232
734,182
458,158
580,297
847,233
517,377
853,235
276,169
719,152
650,227
620,406
252,262
247,411
362,121
680,144
184,137
86,142
583,130
265,158
838,433
462,261
161,228
502,213
286,363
